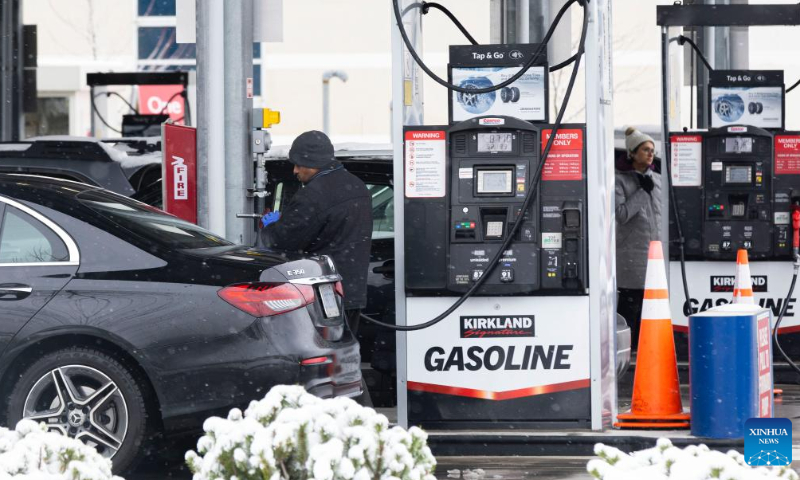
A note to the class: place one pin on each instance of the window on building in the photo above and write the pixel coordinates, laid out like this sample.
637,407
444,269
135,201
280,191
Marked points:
158,43
159,50
51,117
156,8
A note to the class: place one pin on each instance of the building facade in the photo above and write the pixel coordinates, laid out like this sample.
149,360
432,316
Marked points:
77,37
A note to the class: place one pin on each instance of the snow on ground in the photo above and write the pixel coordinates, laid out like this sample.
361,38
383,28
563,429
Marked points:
664,461
30,453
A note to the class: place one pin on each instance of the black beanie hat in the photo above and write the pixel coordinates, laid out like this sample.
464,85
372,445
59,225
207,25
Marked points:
312,149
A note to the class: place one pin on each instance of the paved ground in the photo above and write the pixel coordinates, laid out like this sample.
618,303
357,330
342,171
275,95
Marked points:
512,468
168,463
449,468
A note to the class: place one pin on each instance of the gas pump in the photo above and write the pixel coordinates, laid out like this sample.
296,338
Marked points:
734,183
488,169
503,320
465,188
747,180
718,195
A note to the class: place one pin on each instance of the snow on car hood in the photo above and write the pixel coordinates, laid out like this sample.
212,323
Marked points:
116,154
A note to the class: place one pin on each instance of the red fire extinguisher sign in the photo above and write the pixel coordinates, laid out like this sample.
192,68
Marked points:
179,171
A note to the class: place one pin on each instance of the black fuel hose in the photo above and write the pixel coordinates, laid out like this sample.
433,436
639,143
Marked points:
563,64
687,307
673,202
182,93
683,40
514,78
97,112
534,183
780,319
426,6
793,86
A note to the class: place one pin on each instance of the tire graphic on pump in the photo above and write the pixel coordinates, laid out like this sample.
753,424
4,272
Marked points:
476,103
505,95
729,107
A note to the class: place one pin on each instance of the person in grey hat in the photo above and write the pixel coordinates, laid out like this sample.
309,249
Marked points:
638,212
330,215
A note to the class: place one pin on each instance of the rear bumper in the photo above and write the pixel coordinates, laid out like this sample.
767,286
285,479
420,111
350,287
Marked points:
329,390
340,376
211,377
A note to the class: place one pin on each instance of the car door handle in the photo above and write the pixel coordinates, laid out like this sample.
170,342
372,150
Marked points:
387,269
14,291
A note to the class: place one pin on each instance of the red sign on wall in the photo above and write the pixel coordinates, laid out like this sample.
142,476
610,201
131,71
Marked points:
179,171
565,160
162,100
787,154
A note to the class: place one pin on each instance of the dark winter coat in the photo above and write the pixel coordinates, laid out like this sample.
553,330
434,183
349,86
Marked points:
638,222
331,215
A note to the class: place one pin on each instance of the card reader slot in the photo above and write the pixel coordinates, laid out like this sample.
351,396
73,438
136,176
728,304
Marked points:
465,234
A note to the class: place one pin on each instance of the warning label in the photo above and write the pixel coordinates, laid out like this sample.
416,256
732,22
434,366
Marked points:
425,164
686,160
787,154
565,161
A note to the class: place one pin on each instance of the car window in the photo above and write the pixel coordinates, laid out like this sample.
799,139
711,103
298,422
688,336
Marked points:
23,239
278,197
151,223
382,211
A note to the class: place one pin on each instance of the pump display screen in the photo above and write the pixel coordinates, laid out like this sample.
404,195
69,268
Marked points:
494,142
739,145
495,181
738,174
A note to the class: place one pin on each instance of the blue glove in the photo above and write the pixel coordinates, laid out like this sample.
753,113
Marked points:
269,218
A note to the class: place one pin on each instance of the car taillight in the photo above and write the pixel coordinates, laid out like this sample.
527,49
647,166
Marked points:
267,299
315,361
339,289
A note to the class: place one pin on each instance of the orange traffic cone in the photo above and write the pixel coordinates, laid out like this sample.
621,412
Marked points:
656,390
743,291
743,287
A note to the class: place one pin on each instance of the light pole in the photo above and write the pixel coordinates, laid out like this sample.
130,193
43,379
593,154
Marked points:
326,80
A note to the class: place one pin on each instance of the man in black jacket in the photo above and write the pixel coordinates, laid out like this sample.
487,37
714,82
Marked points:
330,215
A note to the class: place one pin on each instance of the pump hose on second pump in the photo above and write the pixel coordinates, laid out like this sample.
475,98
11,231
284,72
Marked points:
796,255
534,183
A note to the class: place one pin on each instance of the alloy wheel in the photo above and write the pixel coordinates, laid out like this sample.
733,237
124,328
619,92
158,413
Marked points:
83,403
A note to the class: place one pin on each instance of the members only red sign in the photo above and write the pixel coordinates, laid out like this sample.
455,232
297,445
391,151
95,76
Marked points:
565,161
179,171
787,154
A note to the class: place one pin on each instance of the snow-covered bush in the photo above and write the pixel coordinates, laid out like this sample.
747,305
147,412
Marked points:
29,452
665,461
293,435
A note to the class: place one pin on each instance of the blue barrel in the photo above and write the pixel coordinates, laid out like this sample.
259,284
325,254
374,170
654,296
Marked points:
730,369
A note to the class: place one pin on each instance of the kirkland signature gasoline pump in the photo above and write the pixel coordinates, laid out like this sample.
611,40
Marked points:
504,322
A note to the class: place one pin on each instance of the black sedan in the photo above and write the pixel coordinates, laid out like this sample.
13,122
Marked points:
118,321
